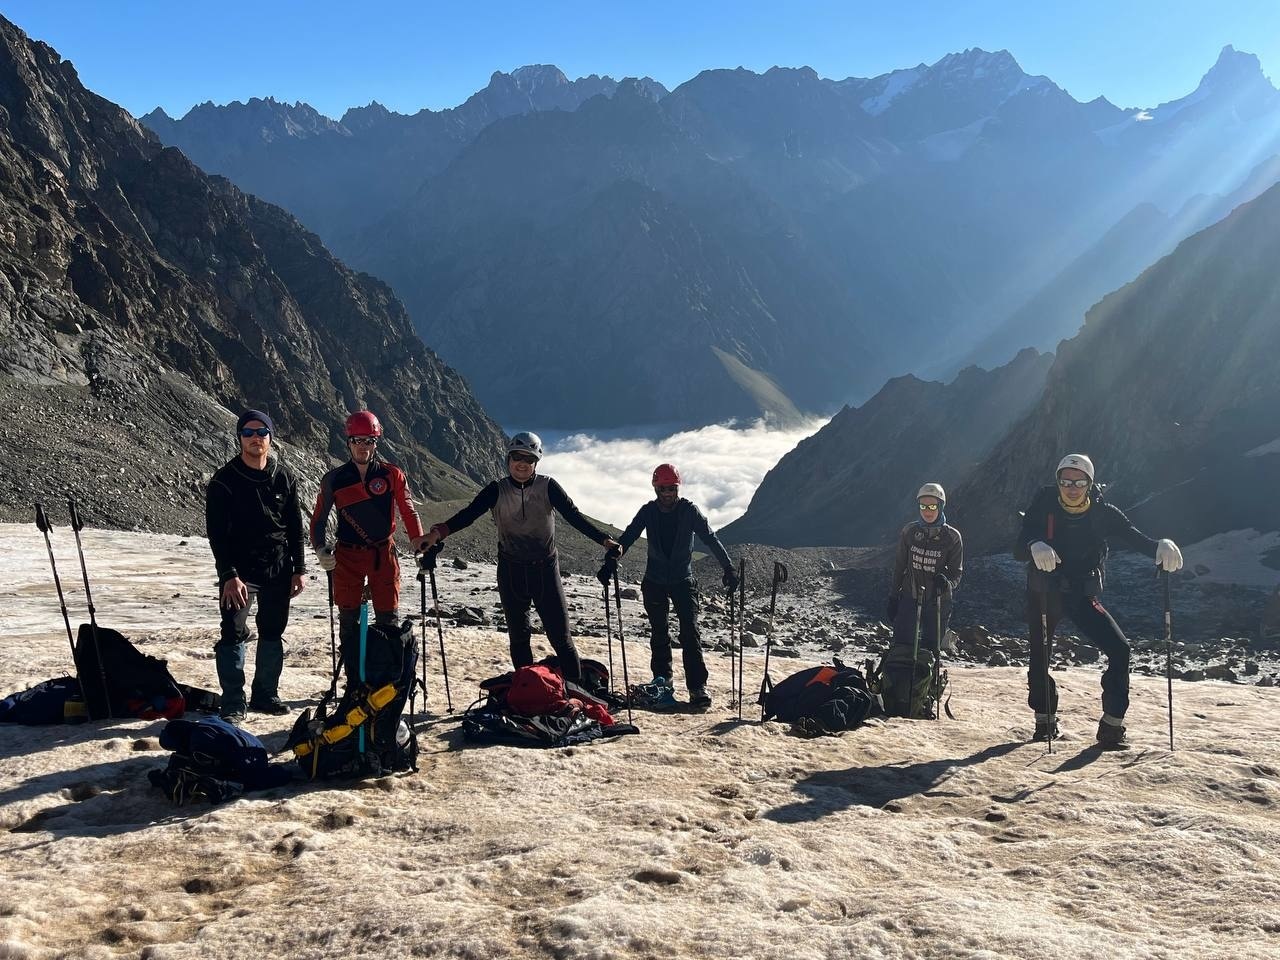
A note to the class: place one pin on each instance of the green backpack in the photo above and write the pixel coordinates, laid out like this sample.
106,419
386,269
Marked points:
892,680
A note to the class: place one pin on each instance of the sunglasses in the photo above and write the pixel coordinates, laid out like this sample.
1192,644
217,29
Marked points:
255,432
1078,484
363,441
523,458
927,506
669,488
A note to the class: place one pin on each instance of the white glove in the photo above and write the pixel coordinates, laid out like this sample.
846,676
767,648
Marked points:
1044,556
1168,556
325,557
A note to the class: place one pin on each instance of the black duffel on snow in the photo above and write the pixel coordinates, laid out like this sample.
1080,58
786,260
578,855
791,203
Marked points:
824,699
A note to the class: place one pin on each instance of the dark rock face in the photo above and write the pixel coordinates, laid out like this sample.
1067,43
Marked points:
855,480
141,300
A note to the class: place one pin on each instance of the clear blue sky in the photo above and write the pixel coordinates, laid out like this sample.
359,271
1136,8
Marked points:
175,53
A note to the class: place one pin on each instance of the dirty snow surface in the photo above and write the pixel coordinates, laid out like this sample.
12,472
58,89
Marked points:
701,837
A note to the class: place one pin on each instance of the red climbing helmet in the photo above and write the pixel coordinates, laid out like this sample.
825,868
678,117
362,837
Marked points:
363,424
665,475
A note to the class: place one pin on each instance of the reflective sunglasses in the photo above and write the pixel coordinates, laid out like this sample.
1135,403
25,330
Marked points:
668,488
1082,482
247,432
523,458
927,506
363,441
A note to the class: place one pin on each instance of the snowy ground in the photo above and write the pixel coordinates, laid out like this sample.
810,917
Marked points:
701,837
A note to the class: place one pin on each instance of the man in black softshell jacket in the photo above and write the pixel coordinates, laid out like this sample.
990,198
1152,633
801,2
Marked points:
1064,540
254,523
669,523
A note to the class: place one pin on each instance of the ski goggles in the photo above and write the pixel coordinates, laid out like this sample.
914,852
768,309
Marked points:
523,458
363,441
1079,484
929,506
667,488
247,432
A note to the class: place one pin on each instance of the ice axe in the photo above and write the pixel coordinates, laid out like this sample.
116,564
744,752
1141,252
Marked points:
427,570
766,684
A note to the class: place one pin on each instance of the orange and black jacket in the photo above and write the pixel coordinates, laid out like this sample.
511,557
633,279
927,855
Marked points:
366,507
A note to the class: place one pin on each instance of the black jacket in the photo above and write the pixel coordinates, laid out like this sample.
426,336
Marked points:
924,551
1080,540
254,523
676,566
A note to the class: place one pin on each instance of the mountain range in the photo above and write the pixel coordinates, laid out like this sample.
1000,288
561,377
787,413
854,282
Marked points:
600,253
142,301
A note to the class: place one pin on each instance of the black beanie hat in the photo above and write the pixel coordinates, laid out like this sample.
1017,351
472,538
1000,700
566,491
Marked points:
255,415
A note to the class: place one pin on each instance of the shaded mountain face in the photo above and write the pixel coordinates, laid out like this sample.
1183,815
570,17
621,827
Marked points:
1171,387
831,227
855,480
340,176
141,301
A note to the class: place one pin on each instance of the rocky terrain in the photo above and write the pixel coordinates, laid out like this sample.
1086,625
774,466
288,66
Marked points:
142,302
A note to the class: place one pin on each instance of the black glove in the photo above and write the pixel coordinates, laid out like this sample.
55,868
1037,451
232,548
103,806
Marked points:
730,580
891,609
940,584
607,569
427,559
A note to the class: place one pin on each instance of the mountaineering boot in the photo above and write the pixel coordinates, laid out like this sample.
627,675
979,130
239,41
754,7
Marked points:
1042,729
699,699
274,706
1111,733
233,714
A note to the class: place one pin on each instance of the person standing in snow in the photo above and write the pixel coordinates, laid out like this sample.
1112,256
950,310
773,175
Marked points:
669,522
1064,540
366,492
523,505
926,571
254,524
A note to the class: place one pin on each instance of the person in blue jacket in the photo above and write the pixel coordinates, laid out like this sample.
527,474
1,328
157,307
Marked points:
669,523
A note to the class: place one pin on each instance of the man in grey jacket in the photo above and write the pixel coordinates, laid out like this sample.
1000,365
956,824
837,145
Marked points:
669,523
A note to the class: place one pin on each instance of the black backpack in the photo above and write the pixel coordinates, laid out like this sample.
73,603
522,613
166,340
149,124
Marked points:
136,685
214,760
363,736
822,700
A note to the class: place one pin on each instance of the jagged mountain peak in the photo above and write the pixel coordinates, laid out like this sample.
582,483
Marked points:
1234,67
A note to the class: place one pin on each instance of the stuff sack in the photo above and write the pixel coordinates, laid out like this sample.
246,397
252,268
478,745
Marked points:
137,685
364,736
50,701
826,699
892,680
213,760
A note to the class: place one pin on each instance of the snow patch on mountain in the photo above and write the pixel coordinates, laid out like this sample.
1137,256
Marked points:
894,85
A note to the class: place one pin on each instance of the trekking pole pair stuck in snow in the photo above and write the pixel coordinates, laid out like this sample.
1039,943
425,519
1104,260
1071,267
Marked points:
766,684
427,571
609,574
77,524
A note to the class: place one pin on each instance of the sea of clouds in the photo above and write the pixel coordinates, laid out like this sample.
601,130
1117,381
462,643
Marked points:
721,465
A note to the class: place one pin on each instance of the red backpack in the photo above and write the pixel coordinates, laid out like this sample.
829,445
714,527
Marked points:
536,690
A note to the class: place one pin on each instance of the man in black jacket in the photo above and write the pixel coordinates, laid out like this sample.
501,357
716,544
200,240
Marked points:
669,523
1064,541
254,524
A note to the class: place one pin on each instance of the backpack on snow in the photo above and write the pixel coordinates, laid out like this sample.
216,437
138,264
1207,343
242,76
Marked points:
822,700
137,685
213,760
891,679
363,735
50,701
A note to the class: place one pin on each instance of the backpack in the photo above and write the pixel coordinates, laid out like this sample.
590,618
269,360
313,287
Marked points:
822,700
136,685
891,679
364,736
50,701
213,760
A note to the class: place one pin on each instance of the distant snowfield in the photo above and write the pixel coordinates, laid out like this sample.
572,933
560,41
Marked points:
1235,557
701,837
721,466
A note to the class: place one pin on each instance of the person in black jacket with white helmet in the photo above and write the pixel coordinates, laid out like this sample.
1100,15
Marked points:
1064,539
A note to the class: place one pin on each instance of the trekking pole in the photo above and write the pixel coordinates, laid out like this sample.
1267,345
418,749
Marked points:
608,570
428,563
915,651
742,616
622,642
333,642
44,526
77,525
1050,712
1168,654
779,576
733,676
937,653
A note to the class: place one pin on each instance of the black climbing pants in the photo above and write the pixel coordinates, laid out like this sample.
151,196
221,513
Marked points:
521,585
1099,628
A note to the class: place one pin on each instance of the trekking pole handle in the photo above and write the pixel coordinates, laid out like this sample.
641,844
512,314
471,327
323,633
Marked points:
76,523
427,559
42,519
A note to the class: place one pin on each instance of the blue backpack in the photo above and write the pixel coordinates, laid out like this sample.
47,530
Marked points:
214,760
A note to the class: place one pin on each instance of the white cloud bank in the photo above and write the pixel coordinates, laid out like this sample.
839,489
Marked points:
721,466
